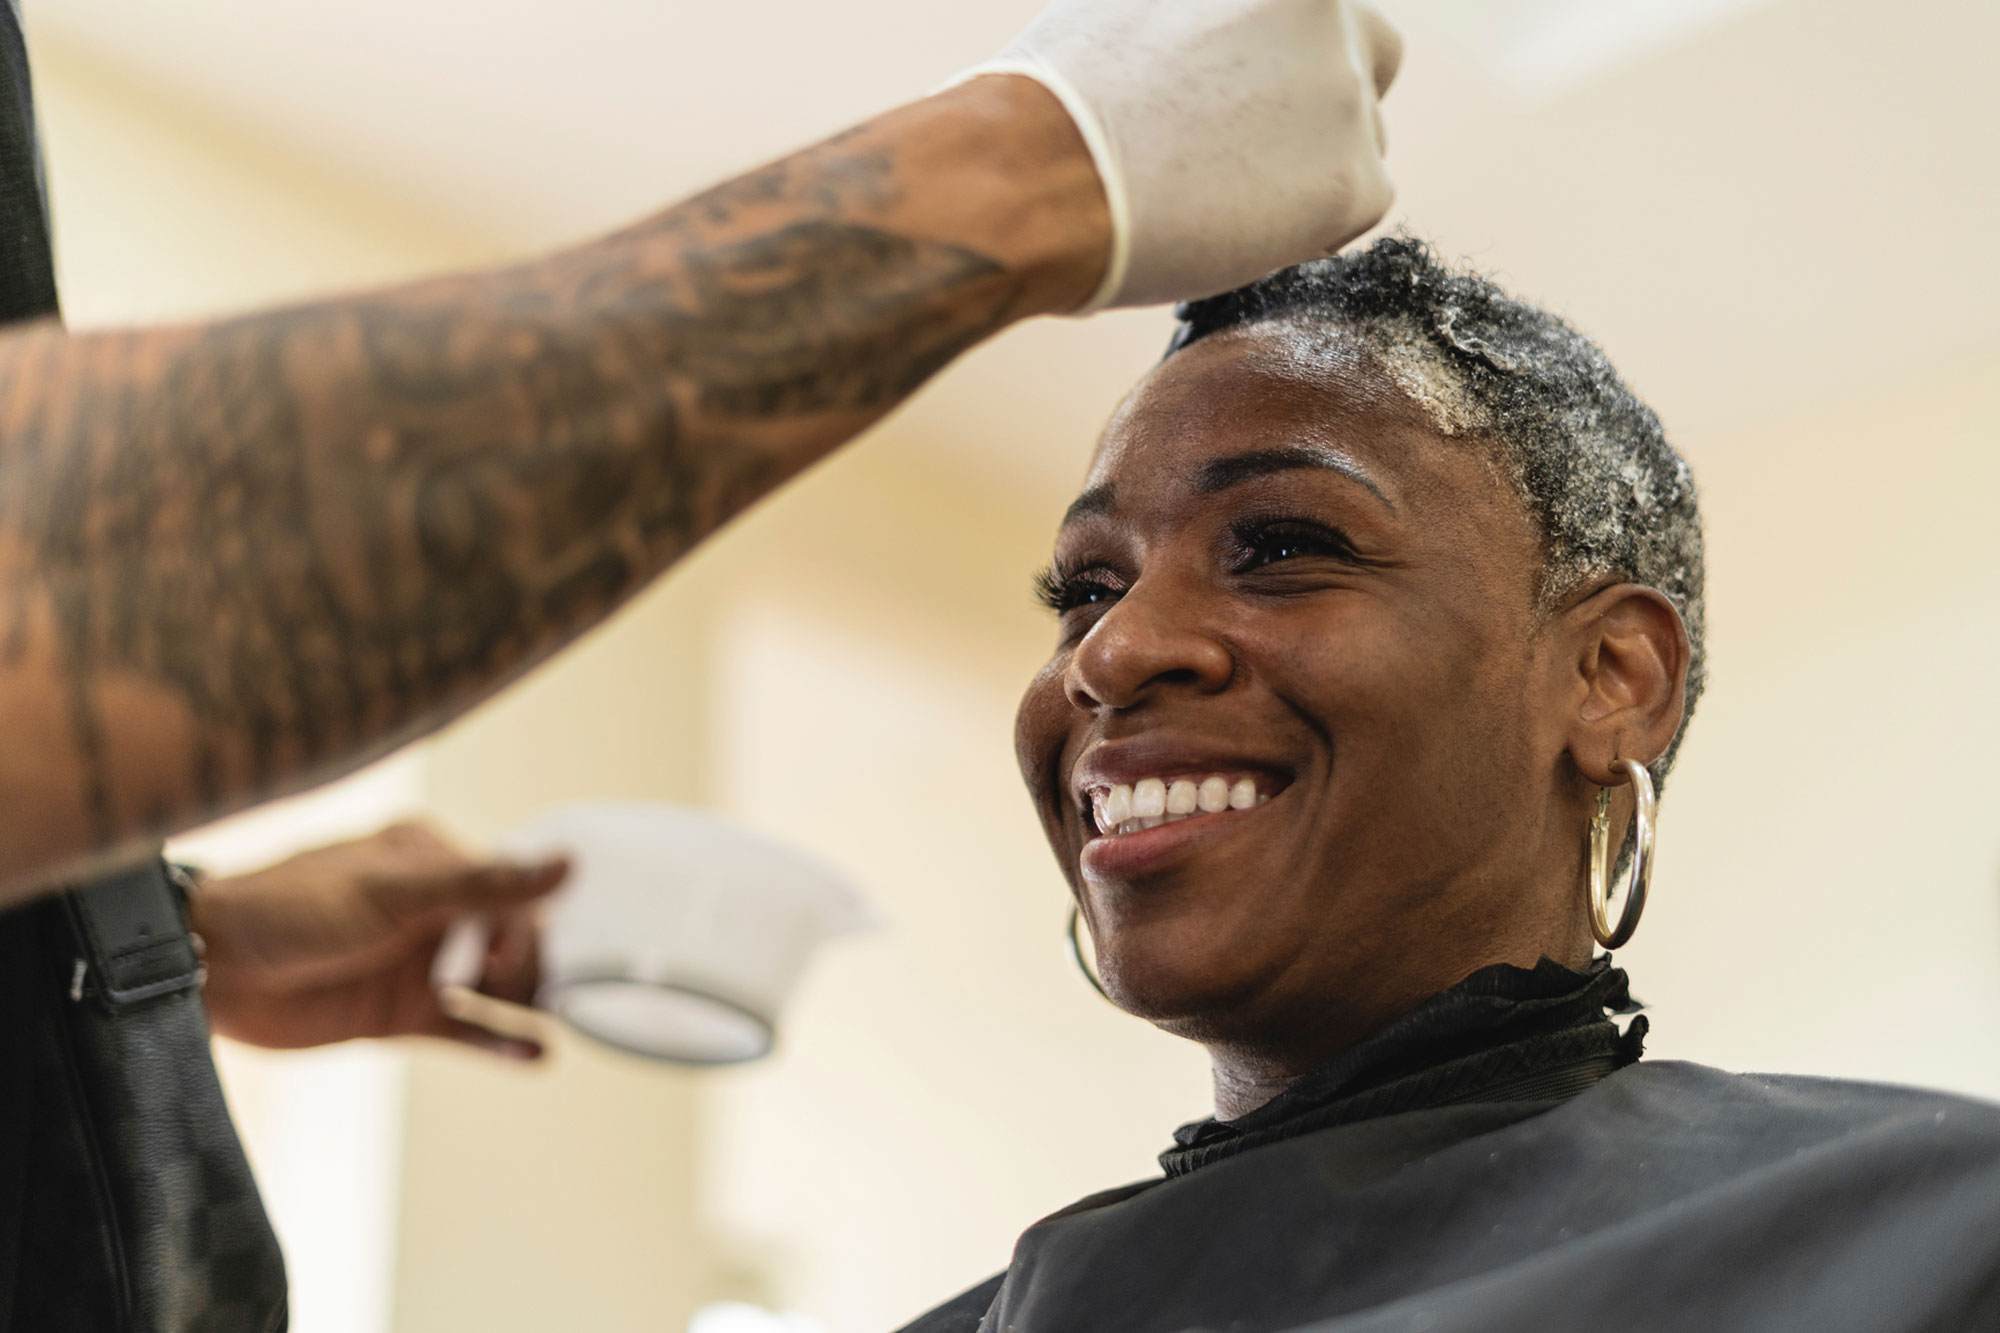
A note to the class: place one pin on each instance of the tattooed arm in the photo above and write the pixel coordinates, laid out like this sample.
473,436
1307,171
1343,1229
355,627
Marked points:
240,557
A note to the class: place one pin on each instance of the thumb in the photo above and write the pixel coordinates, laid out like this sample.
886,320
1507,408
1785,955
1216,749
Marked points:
475,1020
486,1039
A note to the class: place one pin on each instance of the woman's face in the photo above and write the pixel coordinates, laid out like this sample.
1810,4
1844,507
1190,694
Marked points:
1289,600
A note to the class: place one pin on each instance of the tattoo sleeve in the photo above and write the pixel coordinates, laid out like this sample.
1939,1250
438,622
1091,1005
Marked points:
239,557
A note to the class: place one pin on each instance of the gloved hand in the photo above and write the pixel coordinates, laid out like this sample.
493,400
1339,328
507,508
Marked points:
1234,137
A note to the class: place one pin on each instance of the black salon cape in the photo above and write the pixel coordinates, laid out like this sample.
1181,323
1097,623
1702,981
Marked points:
1663,1196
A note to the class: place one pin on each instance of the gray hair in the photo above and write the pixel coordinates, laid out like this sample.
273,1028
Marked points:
1589,460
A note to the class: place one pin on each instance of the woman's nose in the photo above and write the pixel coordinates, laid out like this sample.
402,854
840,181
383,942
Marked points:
1150,639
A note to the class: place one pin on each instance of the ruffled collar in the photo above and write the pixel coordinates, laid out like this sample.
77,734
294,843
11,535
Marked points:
1505,1033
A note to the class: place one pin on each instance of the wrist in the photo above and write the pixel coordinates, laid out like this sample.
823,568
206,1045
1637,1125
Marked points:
1022,185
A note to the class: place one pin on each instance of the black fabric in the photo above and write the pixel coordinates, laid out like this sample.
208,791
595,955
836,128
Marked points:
962,1313
27,277
1662,1196
63,1268
1504,1033
139,1209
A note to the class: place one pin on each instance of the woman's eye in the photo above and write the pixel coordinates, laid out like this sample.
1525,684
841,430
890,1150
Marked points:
1260,544
1064,591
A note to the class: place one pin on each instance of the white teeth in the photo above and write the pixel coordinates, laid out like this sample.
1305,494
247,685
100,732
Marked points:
1117,808
1213,796
1152,802
1149,797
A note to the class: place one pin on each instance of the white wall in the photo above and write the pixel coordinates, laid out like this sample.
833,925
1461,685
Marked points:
1829,896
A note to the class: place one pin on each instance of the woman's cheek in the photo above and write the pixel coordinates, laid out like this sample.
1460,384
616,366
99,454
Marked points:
1041,728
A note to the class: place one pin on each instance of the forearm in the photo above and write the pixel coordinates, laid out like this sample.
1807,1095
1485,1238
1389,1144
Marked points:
238,557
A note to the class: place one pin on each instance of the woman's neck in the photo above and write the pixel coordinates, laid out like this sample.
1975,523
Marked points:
1249,1069
1241,1086
1247,1073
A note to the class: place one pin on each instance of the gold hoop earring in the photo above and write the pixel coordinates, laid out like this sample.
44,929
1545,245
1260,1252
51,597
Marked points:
1076,953
1645,811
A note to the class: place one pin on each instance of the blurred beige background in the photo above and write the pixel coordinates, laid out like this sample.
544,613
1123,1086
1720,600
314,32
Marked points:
1778,217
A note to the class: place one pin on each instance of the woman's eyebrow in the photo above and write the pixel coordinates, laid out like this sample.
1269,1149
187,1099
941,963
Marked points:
1223,473
1096,500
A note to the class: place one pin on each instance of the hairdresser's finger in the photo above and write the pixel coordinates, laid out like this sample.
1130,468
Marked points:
513,969
465,886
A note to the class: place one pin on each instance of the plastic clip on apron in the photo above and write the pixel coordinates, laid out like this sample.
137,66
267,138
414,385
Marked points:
126,1204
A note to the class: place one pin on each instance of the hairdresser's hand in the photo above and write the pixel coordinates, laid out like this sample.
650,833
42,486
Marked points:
1233,137
338,942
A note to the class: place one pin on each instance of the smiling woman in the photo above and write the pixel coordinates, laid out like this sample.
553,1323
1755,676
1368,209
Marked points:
1382,591
1383,579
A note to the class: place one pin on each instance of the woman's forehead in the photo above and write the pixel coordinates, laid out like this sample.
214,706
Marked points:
1248,404
1267,386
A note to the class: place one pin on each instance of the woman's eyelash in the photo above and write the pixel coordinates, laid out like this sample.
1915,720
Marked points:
1260,542
1254,543
1062,589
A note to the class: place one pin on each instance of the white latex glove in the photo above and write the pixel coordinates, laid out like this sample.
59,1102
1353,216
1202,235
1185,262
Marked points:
1234,137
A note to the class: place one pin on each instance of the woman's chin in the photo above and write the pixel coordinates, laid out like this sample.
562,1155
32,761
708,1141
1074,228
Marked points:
1168,988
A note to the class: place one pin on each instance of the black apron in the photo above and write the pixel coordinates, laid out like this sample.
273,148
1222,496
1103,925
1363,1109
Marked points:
1476,1169
126,1204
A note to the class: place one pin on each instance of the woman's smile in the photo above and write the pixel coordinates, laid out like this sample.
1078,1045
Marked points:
1148,824
1154,801
1158,776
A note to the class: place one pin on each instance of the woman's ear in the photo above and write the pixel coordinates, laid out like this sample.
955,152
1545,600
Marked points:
1630,651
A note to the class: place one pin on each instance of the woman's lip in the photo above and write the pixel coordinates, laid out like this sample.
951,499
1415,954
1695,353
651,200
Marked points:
1127,855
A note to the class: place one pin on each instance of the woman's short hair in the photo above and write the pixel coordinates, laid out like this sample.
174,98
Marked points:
1609,494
